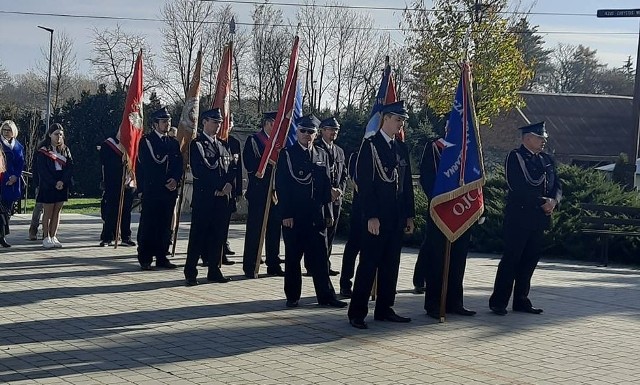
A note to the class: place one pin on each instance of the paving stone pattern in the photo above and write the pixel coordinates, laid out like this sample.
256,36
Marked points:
88,315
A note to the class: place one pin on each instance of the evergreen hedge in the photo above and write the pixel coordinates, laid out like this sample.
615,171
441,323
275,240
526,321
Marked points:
564,240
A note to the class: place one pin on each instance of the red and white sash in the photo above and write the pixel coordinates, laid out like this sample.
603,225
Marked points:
54,156
114,146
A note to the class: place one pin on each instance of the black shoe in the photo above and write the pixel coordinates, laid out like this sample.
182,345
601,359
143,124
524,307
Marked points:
528,309
166,265
146,267
333,273
227,262
262,261
275,272
307,274
498,310
418,290
104,243
228,251
462,311
347,293
191,282
358,323
333,302
127,242
392,317
292,303
4,243
204,264
433,314
220,279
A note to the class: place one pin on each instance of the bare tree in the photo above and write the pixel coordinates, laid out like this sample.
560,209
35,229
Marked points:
271,47
63,69
186,30
114,55
219,35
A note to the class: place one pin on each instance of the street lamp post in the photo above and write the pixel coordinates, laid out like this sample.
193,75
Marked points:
50,30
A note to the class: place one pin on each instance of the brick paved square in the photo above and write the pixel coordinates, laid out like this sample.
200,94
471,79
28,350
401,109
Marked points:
87,315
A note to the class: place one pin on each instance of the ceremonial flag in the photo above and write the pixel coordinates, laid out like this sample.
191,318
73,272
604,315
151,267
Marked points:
223,91
457,194
292,137
190,113
281,125
386,94
130,130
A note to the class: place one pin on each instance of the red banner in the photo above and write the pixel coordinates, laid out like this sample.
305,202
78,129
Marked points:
223,91
278,137
130,130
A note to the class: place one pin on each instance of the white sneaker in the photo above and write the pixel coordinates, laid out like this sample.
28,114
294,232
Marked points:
56,242
47,243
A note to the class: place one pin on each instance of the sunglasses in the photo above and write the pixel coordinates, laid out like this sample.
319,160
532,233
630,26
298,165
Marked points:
306,130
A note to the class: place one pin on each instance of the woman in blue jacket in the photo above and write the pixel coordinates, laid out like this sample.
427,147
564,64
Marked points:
11,184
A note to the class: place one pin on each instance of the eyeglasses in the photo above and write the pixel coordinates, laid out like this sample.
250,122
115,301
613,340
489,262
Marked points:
7,129
306,130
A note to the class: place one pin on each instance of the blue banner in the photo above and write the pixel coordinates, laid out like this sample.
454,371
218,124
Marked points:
297,113
381,99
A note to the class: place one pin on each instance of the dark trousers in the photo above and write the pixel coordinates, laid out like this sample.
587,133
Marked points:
109,205
434,249
5,214
352,247
420,269
522,251
331,234
382,253
153,230
255,216
303,239
209,226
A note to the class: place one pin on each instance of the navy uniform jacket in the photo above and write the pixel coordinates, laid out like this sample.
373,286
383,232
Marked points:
530,178
303,185
158,161
235,167
251,156
384,182
337,166
46,167
210,166
111,160
429,166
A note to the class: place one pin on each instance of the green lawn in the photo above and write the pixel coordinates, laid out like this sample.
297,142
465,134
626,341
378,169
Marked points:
75,206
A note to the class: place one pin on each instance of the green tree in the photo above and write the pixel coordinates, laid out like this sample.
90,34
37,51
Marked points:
440,40
535,56
87,122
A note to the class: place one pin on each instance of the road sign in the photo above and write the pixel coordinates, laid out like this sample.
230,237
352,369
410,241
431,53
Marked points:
619,13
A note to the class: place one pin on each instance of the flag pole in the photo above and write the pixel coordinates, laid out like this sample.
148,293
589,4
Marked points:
120,205
265,220
445,281
177,226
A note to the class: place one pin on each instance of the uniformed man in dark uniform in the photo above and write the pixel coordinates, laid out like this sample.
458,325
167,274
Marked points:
158,171
304,188
111,158
338,171
213,182
534,192
235,149
386,198
353,245
256,194
430,262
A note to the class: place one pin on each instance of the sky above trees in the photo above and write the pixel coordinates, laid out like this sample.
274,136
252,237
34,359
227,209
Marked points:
569,22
